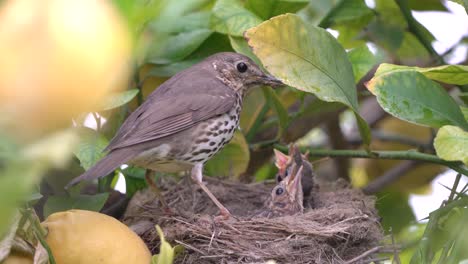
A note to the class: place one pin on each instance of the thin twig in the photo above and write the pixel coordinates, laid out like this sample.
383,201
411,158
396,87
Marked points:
390,176
365,254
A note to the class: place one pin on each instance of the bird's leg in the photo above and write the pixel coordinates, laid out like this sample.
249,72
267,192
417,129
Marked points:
156,190
197,176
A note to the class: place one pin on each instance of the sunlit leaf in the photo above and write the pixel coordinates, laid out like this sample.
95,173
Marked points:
230,17
453,74
409,95
411,50
307,58
166,251
270,8
241,46
115,100
91,146
451,143
232,160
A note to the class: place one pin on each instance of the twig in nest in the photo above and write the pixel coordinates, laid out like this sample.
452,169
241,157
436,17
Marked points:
364,255
190,247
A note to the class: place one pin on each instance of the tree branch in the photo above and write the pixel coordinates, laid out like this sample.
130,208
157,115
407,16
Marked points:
395,155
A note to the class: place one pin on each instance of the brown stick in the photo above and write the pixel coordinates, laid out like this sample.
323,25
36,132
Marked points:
365,254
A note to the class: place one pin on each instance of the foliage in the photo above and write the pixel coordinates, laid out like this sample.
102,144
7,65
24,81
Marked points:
381,66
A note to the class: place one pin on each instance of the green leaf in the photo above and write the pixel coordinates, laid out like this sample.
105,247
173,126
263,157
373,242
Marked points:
241,46
426,5
118,99
453,74
180,29
83,201
410,96
395,211
387,35
91,146
307,58
166,251
451,143
176,47
270,8
215,43
134,180
230,17
345,11
232,160
275,103
465,112
362,60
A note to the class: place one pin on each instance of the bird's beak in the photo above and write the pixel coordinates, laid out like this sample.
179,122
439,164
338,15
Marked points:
271,81
293,182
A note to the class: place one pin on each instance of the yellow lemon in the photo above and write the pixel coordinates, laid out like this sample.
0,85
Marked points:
59,58
79,236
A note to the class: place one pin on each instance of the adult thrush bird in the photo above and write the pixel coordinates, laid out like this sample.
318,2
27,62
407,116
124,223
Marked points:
186,120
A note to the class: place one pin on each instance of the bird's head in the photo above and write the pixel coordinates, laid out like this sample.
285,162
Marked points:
240,72
287,196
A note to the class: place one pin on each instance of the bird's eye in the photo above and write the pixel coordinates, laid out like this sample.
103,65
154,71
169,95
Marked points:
279,191
241,67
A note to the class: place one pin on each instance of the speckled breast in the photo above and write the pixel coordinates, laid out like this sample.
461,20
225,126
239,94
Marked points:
196,145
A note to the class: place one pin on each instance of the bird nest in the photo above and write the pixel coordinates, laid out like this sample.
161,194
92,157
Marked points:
342,226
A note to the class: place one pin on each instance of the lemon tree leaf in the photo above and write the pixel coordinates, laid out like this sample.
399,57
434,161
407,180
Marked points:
118,99
453,74
232,160
307,58
269,8
451,143
465,112
90,148
345,11
362,60
230,17
166,251
410,96
83,201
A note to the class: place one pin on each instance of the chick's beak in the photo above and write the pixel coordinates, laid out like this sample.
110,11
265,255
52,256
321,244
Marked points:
293,185
271,81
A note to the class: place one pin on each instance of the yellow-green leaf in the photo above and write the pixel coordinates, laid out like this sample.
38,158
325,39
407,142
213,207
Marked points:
232,160
230,17
166,251
91,146
451,143
453,74
409,95
118,99
306,57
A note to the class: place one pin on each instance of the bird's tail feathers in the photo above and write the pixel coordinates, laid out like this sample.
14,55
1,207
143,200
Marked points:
103,167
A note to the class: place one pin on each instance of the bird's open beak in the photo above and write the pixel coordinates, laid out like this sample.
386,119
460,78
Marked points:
293,181
271,81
